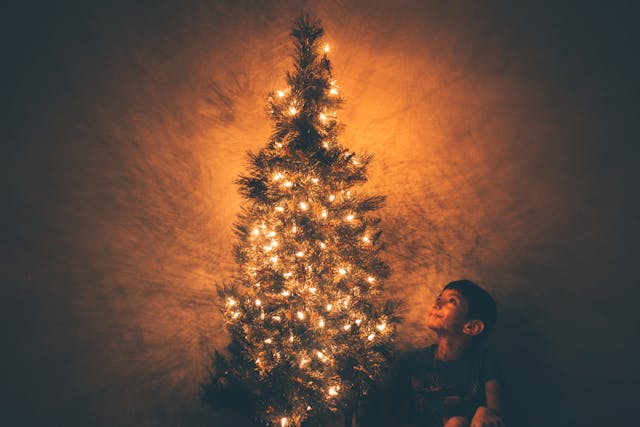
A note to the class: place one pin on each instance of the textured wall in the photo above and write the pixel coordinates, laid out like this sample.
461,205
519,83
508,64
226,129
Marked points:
505,139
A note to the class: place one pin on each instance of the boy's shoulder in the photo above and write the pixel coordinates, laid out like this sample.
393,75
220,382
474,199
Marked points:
416,355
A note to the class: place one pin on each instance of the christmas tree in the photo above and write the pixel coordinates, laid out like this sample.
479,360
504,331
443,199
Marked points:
310,329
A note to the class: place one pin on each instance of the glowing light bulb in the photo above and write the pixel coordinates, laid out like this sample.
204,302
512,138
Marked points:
329,307
321,323
308,408
315,180
320,355
271,234
342,271
381,327
326,48
366,239
349,217
333,91
285,293
231,302
278,145
303,362
332,197
288,184
236,314
280,94
358,321
291,338
300,254
277,318
287,274
325,144
255,231
279,209
278,176
273,259
346,327
294,229
262,316
333,391
323,245
355,162
283,422
323,117
267,248
293,111
371,337
371,279
268,341
324,213
258,302
300,315
303,206
312,290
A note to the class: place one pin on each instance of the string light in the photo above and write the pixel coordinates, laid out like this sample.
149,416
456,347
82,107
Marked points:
299,254
358,321
366,239
333,91
279,209
329,307
293,111
371,279
303,206
255,231
277,318
332,197
324,213
349,217
333,391
323,117
231,302
283,421
381,327
268,341
326,48
323,245
342,271
286,293
271,234
371,337
321,323
346,327
258,302
300,315
278,176
280,94
288,184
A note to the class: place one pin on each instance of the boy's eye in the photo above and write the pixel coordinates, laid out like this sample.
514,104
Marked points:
453,301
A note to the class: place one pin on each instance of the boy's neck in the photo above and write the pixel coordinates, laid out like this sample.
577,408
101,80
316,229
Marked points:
451,347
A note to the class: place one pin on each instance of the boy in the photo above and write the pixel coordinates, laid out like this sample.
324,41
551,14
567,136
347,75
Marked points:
457,381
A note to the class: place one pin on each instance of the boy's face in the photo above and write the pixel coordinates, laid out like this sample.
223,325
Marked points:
448,313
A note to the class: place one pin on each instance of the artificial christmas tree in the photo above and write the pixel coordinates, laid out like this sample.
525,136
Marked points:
310,329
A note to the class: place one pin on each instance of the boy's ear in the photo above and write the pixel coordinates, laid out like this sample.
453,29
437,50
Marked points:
473,327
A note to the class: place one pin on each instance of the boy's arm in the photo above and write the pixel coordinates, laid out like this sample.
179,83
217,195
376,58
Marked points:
490,415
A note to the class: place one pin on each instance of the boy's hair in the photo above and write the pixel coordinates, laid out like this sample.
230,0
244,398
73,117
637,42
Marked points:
482,306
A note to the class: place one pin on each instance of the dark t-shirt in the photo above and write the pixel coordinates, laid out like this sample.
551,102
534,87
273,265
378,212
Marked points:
426,390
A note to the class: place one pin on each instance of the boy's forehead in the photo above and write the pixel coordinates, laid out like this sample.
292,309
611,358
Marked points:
451,292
